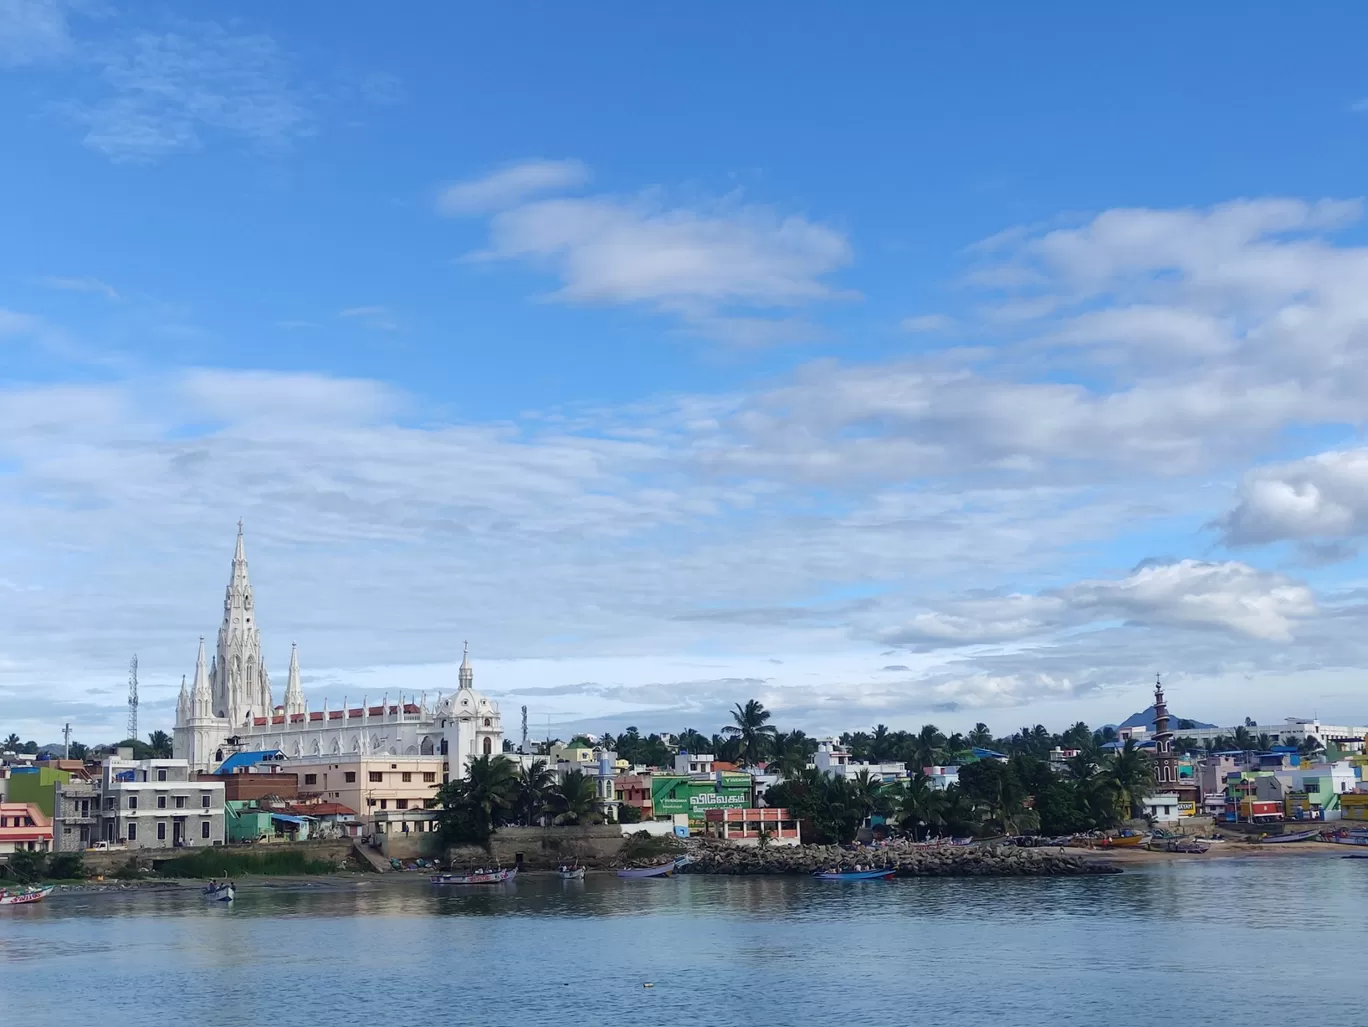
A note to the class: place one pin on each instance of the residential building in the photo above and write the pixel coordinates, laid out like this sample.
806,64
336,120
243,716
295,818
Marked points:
942,777
23,826
154,804
749,826
834,760
1354,806
76,816
1161,807
693,762
35,784
390,794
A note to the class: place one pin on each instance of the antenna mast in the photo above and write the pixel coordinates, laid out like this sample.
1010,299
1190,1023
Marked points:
133,697
523,747
66,742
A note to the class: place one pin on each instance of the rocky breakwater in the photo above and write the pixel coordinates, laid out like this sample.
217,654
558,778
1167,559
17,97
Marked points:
909,861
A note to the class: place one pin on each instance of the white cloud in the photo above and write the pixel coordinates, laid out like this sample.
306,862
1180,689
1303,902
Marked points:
378,318
169,91
512,184
927,323
32,31
82,283
1322,497
1231,596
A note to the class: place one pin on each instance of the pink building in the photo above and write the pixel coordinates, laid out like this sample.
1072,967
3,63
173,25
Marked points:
745,826
24,827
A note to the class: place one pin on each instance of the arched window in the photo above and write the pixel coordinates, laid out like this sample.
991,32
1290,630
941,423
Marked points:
488,746
444,746
488,722
219,755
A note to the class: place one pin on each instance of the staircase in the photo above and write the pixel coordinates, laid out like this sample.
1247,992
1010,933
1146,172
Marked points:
377,862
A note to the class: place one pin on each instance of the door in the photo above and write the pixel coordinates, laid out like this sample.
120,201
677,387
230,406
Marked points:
177,833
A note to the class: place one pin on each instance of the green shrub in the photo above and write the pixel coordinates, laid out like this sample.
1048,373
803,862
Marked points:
66,866
218,862
27,867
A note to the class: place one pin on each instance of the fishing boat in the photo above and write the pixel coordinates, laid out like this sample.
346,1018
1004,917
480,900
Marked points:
1188,845
663,870
1121,841
25,896
480,876
216,892
570,873
1282,839
1348,838
873,874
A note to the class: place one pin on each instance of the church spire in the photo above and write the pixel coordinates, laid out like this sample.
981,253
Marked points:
294,695
241,686
183,703
201,698
467,675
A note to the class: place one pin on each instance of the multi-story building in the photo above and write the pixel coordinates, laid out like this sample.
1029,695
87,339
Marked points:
391,794
834,760
23,826
154,804
76,815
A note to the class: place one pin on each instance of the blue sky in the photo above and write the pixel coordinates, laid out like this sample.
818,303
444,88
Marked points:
680,358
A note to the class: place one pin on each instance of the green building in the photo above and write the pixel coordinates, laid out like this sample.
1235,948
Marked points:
673,794
246,823
37,785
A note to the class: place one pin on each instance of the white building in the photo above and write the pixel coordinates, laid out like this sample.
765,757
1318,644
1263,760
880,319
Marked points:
1292,731
943,777
834,760
1161,807
154,804
229,706
693,763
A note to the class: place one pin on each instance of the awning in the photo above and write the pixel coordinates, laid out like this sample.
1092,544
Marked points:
289,819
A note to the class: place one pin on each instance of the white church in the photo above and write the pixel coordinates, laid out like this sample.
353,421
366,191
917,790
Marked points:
229,707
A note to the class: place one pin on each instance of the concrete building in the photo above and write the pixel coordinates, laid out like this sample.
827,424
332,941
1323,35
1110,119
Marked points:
76,816
834,760
942,777
390,794
748,826
1161,808
23,826
231,698
154,804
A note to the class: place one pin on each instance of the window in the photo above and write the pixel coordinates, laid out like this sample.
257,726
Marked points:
351,777
311,779
180,802
204,800
370,802
109,802
132,832
488,722
85,807
430,776
132,802
384,804
204,829
401,804
406,777
488,746
161,832
376,775
161,802
161,775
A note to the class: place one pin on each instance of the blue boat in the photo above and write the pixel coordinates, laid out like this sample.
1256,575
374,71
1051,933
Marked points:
880,874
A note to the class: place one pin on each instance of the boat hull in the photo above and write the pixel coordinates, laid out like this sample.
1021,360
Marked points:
498,877
665,870
571,875
25,898
1285,839
884,874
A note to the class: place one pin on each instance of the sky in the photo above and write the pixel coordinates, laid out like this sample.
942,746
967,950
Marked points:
887,365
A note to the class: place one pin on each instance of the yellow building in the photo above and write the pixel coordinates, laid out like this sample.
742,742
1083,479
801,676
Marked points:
389,793
1354,805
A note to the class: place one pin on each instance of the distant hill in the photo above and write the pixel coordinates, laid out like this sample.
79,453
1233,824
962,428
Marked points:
1145,719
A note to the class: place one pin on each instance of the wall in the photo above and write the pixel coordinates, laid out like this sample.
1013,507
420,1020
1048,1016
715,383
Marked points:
545,848
37,787
108,861
249,787
409,846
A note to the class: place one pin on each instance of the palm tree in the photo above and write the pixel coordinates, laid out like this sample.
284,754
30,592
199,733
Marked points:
1131,777
575,800
871,794
534,784
956,813
1243,740
751,730
11,743
956,747
918,802
471,807
981,737
792,750
160,742
927,747
880,744
1309,745
1263,742
693,741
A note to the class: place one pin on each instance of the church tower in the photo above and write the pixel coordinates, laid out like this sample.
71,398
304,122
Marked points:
1165,761
198,733
294,695
241,687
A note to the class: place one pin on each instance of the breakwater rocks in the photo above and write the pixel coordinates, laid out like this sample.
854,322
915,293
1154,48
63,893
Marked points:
910,861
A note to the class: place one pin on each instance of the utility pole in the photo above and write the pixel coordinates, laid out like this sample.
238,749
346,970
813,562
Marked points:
66,741
523,746
133,697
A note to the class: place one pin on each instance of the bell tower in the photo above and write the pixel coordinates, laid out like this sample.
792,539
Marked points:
1165,760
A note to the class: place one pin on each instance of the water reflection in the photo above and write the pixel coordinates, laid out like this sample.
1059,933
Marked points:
969,951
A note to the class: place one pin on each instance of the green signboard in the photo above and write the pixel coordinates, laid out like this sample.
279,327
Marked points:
695,796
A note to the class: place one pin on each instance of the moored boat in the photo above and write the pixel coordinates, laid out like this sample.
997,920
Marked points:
871,874
1188,845
1347,838
1121,841
663,870
25,896
480,876
570,873
1282,839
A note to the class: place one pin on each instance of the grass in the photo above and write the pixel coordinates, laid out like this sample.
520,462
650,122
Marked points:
218,863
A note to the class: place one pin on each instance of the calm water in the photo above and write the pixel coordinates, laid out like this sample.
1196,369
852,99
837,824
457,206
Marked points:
1281,938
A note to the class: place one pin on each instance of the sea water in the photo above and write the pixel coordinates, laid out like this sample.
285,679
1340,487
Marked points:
1265,941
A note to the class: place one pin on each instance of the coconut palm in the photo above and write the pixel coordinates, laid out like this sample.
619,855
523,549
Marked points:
917,805
160,743
534,784
791,752
11,743
927,747
1131,777
575,800
1243,740
981,737
473,806
751,730
693,741
880,744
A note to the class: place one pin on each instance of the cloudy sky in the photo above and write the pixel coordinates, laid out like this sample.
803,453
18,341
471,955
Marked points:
885,366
